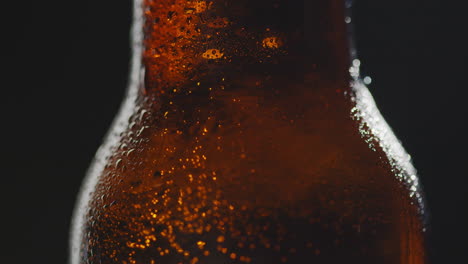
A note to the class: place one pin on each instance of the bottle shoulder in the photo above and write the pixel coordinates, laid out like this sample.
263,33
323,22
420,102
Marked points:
231,172
292,142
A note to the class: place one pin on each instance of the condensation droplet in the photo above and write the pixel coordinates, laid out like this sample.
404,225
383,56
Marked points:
367,80
212,54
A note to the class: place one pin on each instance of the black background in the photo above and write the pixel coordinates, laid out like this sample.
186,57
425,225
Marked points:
64,71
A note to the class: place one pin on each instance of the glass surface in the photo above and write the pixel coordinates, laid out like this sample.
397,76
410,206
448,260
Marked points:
247,137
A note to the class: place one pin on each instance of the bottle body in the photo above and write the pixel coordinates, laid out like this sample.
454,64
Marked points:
243,141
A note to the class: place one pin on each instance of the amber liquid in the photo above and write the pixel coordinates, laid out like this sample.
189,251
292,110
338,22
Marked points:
247,144
258,185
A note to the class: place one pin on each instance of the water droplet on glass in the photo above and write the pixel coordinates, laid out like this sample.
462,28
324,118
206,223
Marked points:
367,80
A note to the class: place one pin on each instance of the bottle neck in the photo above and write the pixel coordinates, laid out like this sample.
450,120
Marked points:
188,43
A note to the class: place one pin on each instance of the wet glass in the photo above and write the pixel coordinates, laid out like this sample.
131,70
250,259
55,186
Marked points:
247,136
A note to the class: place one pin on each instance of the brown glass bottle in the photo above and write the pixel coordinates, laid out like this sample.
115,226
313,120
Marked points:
247,137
